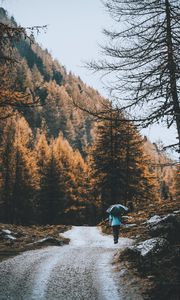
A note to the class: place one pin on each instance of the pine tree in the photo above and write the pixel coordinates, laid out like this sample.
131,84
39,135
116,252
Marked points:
118,165
52,191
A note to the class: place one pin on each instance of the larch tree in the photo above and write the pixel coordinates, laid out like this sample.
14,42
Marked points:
64,157
20,172
142,58
56,177
43,157
74,203
81,206
7,169
10,34
177,183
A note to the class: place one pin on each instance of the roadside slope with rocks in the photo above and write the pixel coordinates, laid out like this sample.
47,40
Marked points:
155,256
15,239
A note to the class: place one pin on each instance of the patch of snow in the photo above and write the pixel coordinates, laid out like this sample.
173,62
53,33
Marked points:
154,220
129,225
46,239
176,212
41,241
167,217
154,245
10,237
127,217
6,231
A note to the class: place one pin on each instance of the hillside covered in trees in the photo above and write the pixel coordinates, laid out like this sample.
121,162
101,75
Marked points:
60,164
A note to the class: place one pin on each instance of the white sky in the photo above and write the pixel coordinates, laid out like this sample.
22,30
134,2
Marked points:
73,37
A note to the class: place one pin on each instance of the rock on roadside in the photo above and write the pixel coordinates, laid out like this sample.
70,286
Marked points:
49,240
15,239
167,227
156,256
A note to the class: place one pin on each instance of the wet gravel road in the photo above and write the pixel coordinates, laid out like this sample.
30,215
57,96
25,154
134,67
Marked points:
79,271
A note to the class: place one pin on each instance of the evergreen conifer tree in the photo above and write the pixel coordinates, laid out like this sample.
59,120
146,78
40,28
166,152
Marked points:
118,166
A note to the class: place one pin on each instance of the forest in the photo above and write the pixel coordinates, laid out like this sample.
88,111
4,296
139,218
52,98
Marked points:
58,163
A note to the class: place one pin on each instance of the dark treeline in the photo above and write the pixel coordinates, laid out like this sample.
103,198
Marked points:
57,164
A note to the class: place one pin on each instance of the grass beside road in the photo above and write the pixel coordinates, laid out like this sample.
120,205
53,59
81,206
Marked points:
27,236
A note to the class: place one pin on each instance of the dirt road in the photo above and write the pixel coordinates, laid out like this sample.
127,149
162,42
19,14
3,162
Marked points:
78,271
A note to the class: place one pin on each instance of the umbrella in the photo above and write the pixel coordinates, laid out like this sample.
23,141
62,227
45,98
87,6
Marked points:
117,209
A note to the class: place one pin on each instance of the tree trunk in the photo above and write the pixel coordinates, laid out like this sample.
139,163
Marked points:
172,71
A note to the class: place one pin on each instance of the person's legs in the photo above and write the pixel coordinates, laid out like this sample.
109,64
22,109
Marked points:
116,233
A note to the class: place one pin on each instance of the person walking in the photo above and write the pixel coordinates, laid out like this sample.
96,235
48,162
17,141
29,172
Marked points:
115,223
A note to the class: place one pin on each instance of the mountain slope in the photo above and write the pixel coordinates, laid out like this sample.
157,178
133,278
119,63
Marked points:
40,76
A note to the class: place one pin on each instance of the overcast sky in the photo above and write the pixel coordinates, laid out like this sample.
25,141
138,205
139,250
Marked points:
73,36
73,33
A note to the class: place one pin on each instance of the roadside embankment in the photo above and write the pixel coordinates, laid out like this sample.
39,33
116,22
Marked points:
15,239
155,255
